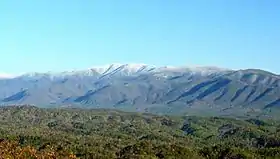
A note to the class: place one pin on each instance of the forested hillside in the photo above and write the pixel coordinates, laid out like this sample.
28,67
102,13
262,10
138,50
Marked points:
104,133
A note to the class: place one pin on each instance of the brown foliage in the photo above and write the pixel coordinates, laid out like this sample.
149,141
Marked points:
11,150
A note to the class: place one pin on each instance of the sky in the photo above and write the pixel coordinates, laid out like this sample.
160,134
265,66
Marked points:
59,35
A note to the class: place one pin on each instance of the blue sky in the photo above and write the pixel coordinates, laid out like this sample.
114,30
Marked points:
69,34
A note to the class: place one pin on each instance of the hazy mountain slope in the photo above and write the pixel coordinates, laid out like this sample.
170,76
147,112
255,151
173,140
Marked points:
143,87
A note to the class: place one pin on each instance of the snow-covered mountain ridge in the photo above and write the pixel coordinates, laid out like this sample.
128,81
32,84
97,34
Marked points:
122,69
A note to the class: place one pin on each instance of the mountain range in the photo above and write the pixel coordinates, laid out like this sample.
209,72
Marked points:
140,87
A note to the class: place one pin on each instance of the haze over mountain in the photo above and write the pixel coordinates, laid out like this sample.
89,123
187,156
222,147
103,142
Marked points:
140,87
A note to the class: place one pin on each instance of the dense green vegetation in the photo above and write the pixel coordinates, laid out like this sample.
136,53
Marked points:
114,134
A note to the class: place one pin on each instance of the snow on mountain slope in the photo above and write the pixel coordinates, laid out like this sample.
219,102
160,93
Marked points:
128,68
5,76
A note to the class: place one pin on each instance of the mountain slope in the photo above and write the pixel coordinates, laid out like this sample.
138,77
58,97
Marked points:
148,88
